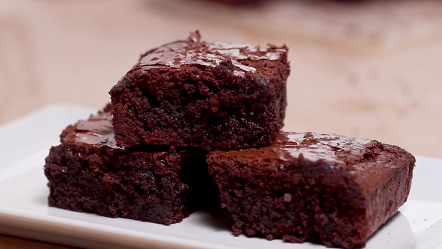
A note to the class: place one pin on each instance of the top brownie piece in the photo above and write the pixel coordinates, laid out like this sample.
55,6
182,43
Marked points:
209,95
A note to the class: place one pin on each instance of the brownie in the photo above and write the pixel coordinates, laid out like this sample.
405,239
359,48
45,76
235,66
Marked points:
322,188
89,173
207,95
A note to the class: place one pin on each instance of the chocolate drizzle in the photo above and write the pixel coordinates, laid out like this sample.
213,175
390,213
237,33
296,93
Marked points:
193,51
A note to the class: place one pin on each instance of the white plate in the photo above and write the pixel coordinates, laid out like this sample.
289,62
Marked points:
24,211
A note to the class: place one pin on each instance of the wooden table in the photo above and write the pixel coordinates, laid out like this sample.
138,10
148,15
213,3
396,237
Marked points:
370,70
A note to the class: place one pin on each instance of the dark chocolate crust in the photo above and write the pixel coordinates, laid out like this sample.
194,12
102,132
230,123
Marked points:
326,189
208,95
87,172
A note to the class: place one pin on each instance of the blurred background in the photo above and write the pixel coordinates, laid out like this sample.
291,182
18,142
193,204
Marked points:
361,68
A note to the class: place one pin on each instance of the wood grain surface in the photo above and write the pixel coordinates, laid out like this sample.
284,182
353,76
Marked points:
370,70
15,242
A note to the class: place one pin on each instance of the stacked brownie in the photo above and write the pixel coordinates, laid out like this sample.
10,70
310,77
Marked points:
196,124
206,95
143,156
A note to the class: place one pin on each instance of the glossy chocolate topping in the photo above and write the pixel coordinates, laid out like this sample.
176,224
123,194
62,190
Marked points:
97,130
193,51
313,147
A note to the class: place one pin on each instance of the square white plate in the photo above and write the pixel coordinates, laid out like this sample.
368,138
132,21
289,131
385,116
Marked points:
24,211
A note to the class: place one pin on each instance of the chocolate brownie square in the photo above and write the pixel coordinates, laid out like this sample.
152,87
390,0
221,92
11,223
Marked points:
327,189
89,173
208,95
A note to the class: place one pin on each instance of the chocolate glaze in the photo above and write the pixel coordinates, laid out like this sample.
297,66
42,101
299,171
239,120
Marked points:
312,147
97,130
193,51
